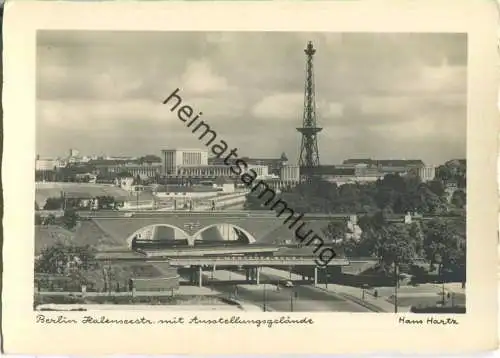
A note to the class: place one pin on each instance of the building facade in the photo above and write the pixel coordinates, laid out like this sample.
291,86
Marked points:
273,165
290,173
173,159
427,173
217,171
144,170
46,164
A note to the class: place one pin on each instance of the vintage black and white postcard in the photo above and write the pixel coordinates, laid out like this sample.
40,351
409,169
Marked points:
243,178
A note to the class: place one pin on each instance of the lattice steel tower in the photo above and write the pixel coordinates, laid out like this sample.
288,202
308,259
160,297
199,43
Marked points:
309,154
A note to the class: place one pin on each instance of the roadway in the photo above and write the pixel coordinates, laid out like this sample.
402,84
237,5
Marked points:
301,298
316,299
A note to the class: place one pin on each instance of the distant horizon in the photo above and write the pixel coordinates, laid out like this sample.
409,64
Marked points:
65,156
377,95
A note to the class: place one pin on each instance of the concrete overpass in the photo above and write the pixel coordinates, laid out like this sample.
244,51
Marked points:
179,260
252,264
250,261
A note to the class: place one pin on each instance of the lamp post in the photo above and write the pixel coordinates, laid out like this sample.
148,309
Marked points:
396,279
439,260
264,298
365,287
291,299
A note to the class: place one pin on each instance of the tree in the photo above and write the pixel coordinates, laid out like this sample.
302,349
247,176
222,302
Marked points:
396,246
436,187
453,170
53,204
49,220
65,259
69,219
336,230
53,259
459,199
149,158
417,235
444,173
446,239
375,221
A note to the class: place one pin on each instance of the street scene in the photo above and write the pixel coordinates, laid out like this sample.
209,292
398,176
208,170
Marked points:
342,187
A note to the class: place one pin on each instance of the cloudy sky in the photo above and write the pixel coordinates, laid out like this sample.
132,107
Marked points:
378,95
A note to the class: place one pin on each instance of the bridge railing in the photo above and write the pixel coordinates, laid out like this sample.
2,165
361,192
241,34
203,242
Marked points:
247,258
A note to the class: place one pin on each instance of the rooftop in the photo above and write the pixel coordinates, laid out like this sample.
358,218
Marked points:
183,189
43,191
386,162
333,170
184,150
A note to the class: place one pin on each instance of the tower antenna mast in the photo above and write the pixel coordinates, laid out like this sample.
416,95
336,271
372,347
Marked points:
309,154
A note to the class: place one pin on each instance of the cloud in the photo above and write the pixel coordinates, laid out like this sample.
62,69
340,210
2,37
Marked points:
199,78
96,115
279,106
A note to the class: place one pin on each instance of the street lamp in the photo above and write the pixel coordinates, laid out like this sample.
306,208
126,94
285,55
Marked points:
439,260
365,287
396,278
264,303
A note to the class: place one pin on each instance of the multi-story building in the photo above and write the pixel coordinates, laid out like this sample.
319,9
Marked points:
261,170
46,164
410,163
173,159
204,171
427,173
217,171
73,153
364,170
386,166
134,167
273,165
125,183
290,173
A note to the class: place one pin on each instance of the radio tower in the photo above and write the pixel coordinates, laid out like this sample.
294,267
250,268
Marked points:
309,154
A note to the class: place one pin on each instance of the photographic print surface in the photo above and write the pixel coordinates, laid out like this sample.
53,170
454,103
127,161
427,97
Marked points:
191,184
285,171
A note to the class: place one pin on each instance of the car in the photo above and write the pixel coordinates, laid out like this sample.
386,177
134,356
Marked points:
288,284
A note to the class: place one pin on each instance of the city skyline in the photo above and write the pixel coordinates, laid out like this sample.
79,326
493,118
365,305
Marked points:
379,96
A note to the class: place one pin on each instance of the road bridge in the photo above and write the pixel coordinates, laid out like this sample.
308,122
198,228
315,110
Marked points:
250,261
187,258
252,264
225,250
189,228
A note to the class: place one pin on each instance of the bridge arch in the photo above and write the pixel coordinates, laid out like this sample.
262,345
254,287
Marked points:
157,232
244,236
